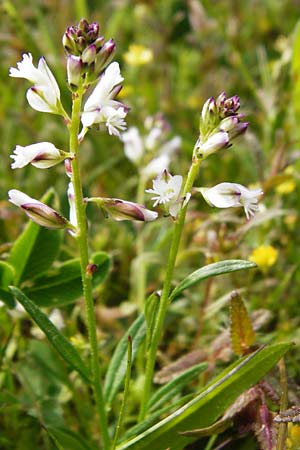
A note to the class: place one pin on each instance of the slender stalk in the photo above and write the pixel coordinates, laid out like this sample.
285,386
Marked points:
82,239
164,301
141,272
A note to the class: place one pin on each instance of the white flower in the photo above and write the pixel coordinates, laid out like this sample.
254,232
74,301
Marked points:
231,195
41,155
114,120
37,211
96,107
167,190
44,96
133,144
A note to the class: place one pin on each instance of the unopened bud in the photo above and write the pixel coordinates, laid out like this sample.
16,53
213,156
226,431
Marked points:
214,143
104,56
40,213
74,71
89,54
124,210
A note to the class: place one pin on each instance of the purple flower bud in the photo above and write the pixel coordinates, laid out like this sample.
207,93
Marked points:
215,142
104,56
99,42
74,71
68,42
124,210
240,128
40,213
228,106
83,25
89,54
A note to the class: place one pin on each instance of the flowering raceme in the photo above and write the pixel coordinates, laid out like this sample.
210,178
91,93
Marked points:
44,96
219,125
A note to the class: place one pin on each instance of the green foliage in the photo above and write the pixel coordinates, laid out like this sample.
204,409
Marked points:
59,342
209,404
62,285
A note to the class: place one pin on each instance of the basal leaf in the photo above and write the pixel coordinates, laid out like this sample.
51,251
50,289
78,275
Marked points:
209,404
58,340
211,270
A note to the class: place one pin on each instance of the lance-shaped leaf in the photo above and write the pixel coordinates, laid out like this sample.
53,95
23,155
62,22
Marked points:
117,368
58,340
63,285
209,404
241,330
211,270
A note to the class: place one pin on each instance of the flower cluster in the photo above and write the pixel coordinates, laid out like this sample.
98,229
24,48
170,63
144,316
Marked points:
220,123
88,53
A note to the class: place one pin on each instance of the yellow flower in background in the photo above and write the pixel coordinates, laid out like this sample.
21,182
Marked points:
293,440
288,186
138,55
264,256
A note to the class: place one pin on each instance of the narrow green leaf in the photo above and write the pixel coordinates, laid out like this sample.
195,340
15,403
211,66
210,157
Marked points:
59,341
117,367
210,403
68,440
125,393
169,390
63,284
151,308
212,270
35,249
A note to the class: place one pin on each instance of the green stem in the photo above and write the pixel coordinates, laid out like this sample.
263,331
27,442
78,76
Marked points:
82,239
141,273
164,301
